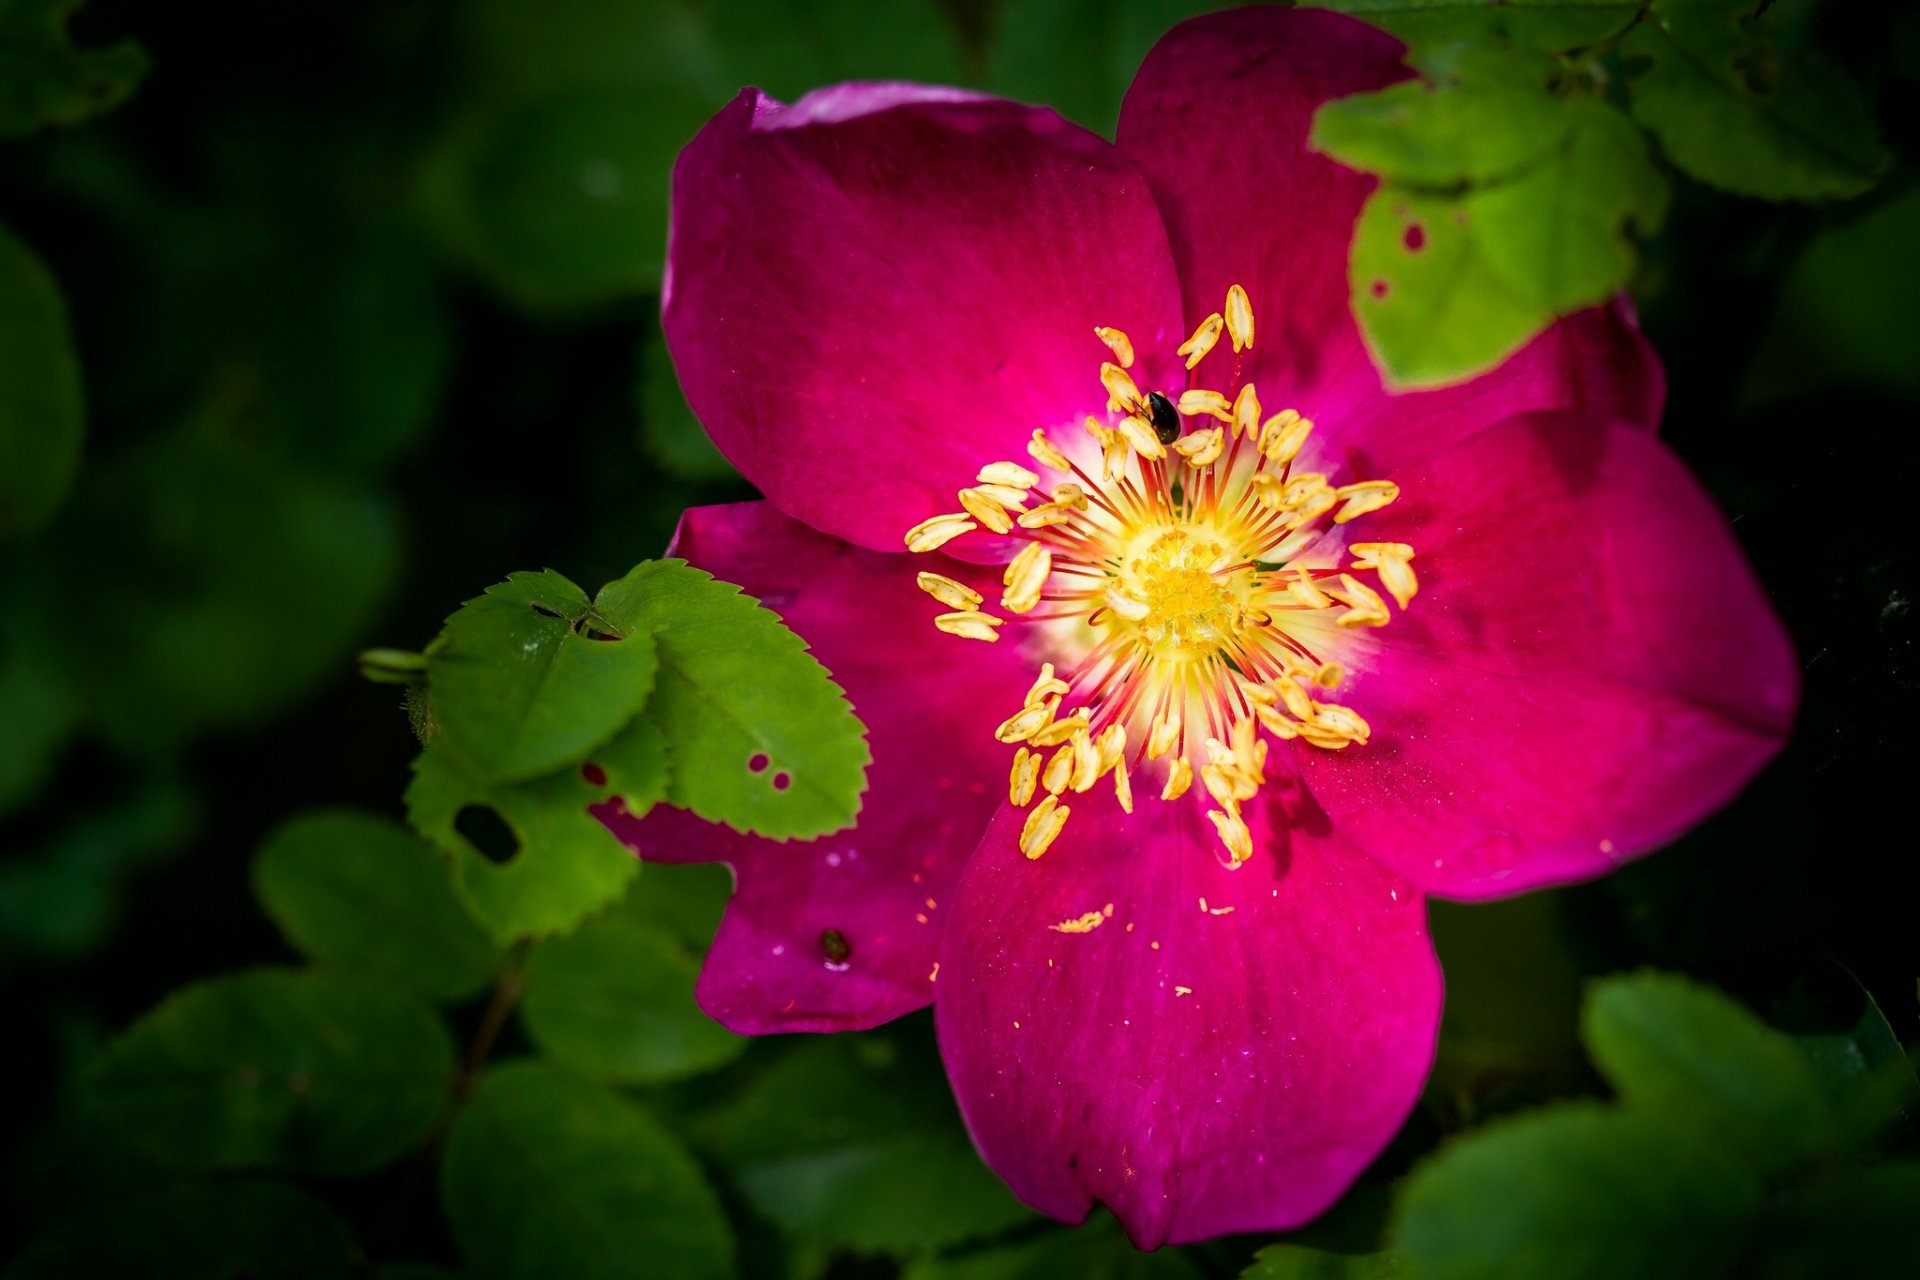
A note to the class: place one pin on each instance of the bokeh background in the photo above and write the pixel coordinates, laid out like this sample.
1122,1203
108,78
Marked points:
363,299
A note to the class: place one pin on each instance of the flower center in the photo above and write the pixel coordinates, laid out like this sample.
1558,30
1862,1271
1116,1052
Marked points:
1184,578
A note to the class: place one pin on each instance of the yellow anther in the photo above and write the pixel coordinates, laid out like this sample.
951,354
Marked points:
1179,778
1059,771
1118,343
1123,395
1345,722
1025,576
1011,496
1246,413
1112,743
1046,686
969,624
1248,750
986,509
1071,495
930,535
1026,772
1125,605
1259,695
1239,318
1140,434
1282,436
1201,448
1043,826
1278,725
1365,608
1195,348
1368,495
1060,730
1296,699
1045,454
1011,473
1219,784
954,595
1306,592
1122,786
1233,834
1086,762
1046,515
1266,487
1027,721
1389,560
1329,676
1213,403
1165,733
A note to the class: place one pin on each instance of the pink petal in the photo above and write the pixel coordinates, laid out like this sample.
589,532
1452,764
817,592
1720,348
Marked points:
930,703
876,290
1218,120
1588,670
1224,1051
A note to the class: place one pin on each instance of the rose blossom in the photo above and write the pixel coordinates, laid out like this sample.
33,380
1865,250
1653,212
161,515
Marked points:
1211,659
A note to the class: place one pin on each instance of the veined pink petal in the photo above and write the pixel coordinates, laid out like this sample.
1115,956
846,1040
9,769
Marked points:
874,291
1218,120
1589,668
1202,1050
930,704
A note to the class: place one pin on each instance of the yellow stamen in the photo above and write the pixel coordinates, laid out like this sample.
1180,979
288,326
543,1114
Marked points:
1179,778
1046,685
1046,515
1008,473
1123,394
1045,454
1086,762
969,624
1043,826
937,532
1165,733
1113,746
1195,348
1011,496
1139,433
1233,834
1389,560
1027,721
1062,729
1026,772
1122,786
986,509
1306,592
1126,606
1282,435
1201,401
1246,413
1118,343
1026,574
1368,495
955,595
1201,448
1239,318
1365,608
1059,770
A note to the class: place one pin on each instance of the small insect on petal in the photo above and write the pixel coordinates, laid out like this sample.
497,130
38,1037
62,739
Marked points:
1239,318
932,534
1195,348
1118,343
955,595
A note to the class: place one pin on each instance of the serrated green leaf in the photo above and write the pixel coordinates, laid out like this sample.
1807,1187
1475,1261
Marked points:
1286,1261
548,1175
565,865
1549,26
42,418
1099,1250
1689,1057
1578,1192
261,1230
45,81
278,1069
529,678
614,1001
758,735
1729,110
1078,56
363,895
854,1143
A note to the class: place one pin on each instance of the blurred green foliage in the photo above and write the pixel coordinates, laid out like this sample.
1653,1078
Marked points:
306,341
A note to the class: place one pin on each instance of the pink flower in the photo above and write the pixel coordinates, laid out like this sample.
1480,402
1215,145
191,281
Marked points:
1511,644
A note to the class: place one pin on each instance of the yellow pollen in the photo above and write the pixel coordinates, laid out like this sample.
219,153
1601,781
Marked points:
932,534
1239,318
1118,343
1086,762
955,595
1195,348
1043,826
1166,732
1084,924
1122,786
1282,436
1024,723
1365,608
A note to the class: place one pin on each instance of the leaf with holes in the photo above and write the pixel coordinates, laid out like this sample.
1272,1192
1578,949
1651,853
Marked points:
1551,26
759,735
1732,109
277,1069
45,81
361,893
546,1174
550,863
529,678
41,416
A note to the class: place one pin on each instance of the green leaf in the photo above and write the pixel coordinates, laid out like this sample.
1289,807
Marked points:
279,1069
42,419
759,736
548,1175
1099,1250
261,1230
1286,1261
45,81
529,678
1689,1057
1550,26
1078,56
685,900
564,864
854,1142
614,1001
1576,1192
361,894
1732,111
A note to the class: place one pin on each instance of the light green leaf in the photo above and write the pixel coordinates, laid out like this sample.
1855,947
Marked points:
614,1000
261,1230
1577,1192
45,81
1550,26
549,1175
563,864
1731,111
42,419
1078,56
759,736
361,894
529,678
1691,1058
278,1069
